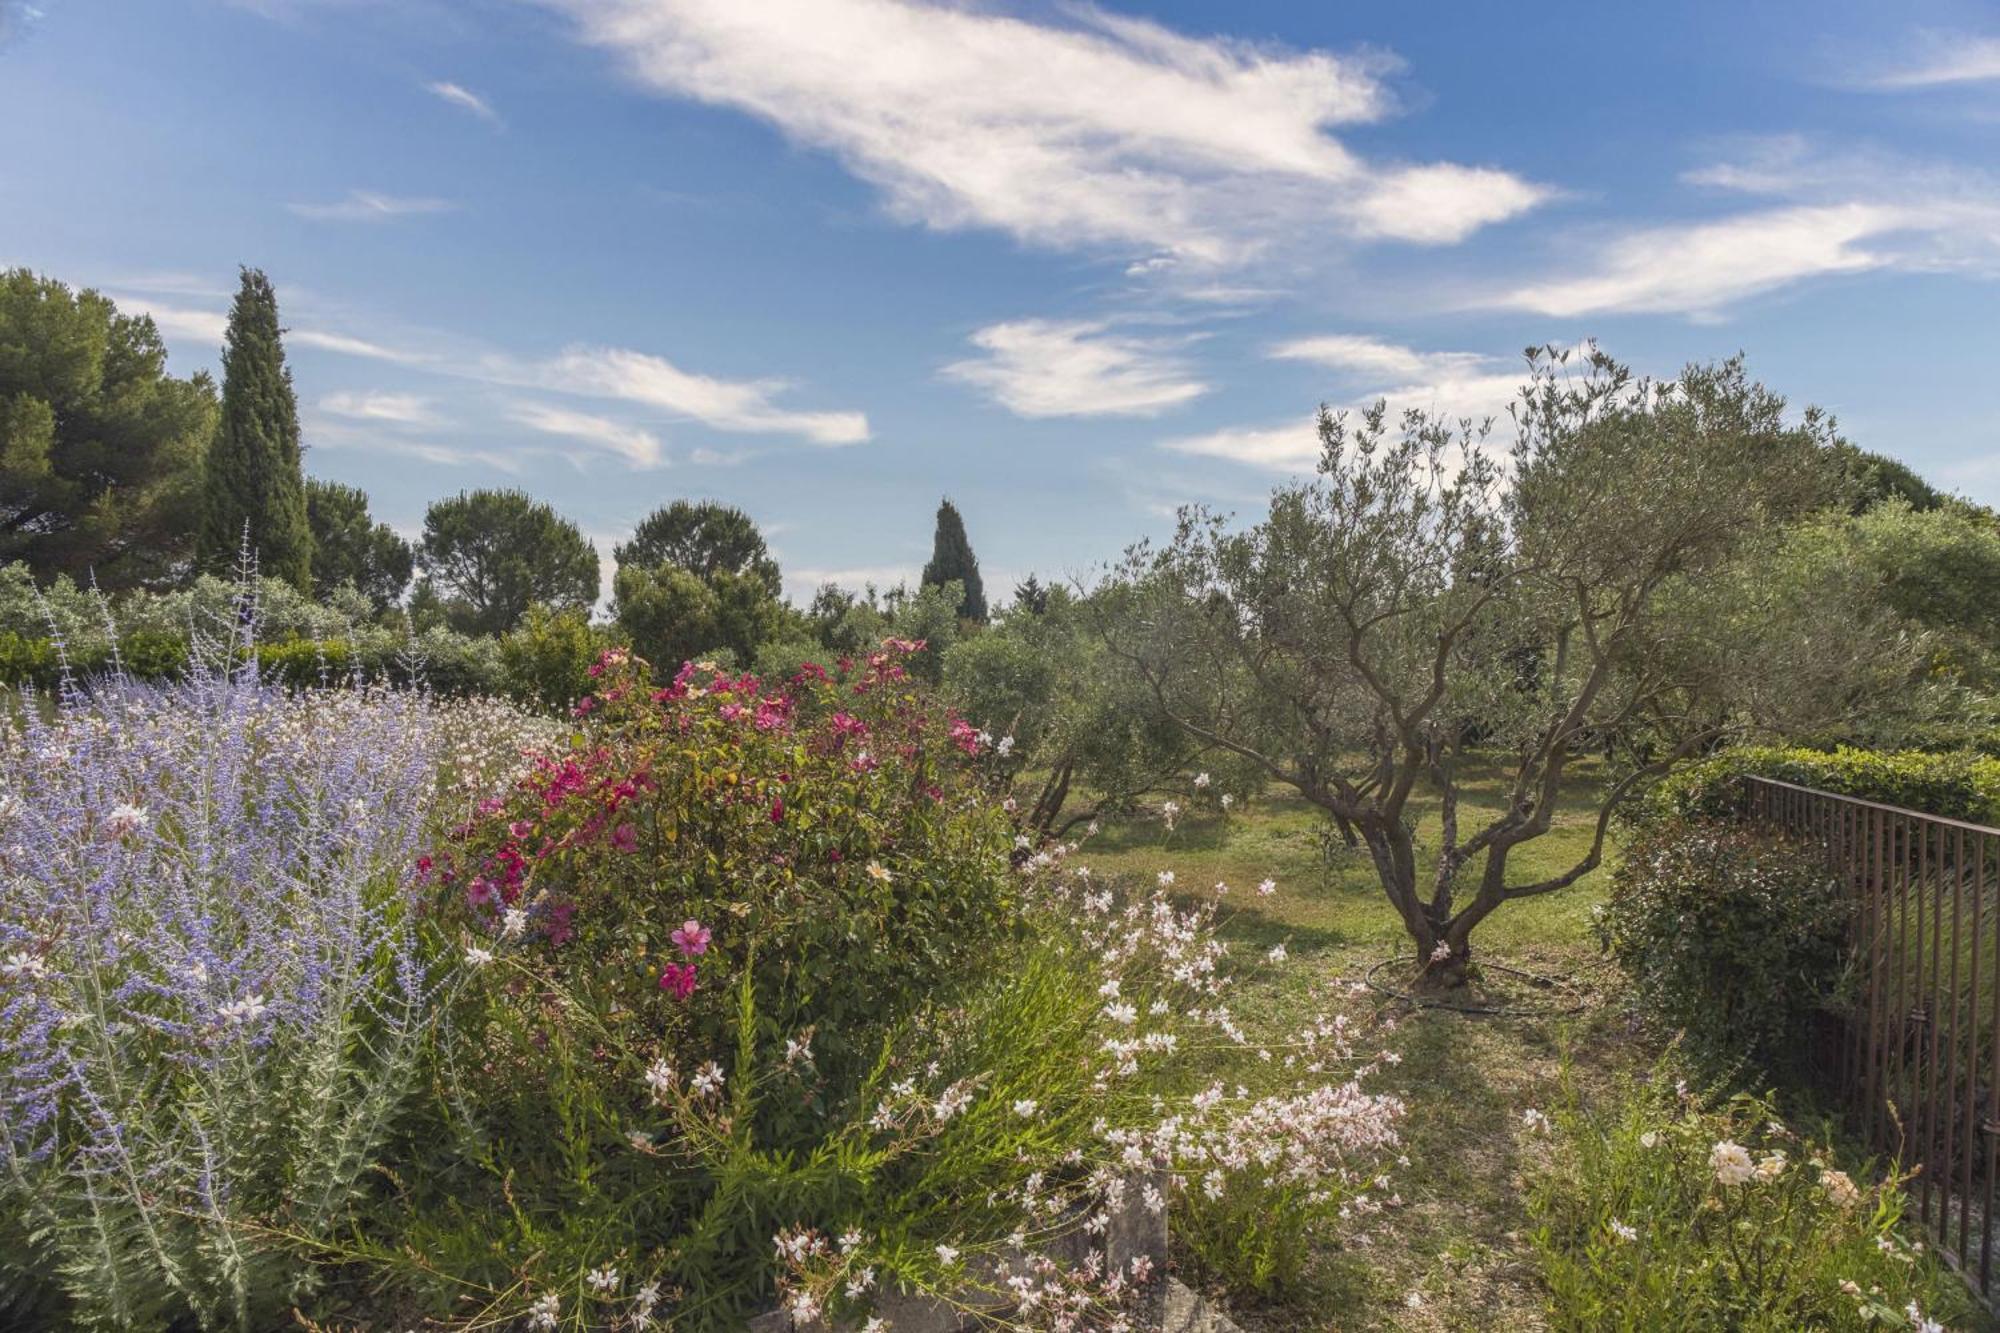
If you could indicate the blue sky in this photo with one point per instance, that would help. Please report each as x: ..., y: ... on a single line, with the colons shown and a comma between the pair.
x: 1072, y: 265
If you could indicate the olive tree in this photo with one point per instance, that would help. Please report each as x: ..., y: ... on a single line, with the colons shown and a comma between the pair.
x: 1079, y: 725
x: 1428, y: 598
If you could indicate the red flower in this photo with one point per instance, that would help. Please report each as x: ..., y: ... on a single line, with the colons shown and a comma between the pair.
x: 777, y: 809
x: 678, y: 980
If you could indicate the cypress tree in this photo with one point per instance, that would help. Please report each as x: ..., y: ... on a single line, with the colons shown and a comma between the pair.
x: 952, y: 558
x: 255, y: 474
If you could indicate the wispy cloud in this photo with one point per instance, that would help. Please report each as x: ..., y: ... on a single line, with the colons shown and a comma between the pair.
x: 325, y: 434
x: 368, y: 206
x: 613, y: 373
x: 1451, y: 385
x: 639, y: 447
x: 1826, y: 214
x: 1097, y: 131
x: 1079, y: 368
x: 464, y: 98
x: 396, y: 409
x: 1943, y: 60
x: 348, y: 345
x: 638, y: 377
x: 176, y: 321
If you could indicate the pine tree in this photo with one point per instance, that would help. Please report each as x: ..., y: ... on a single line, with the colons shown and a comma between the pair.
x: 952, y: 558
x: 254, y: 478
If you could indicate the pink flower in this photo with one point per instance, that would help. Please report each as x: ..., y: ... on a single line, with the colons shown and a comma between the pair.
x: 678, y: 980
x: 625, y: 838
x: 480, y: 892
x: 777, y: 809
x: 692, y: 937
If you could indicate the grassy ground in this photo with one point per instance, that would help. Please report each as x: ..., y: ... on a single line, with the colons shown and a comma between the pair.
x: 1453, y: 1257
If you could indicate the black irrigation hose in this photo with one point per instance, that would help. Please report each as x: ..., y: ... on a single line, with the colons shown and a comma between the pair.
x: 1562, y: 983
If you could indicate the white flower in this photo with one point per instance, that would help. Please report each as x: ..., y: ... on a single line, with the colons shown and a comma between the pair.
x: 1534, y: 1121
x: 1415, y: 1300
x: 1005, y: 747
x: 1166, y: 878
x: 126, y: 818
x: 1919, y: 1323
x: 1771, y: 1166
x: 545, y: 1311
x: 1266, y: 888
x: 947, y: 1254
x: 659, y: 1077
x: 1624, y: 1231
x: 1277, y: 954
x: 1201, y: 782
x: 1227, y: 800
x: 1731, y: 1163
x: 243, y: 1012
x: 513, y: 922
x: 1027, y: 1106
x: 477, y: 957
x: 21, y: 963
x: 879, y: 872
x: 1442, y: 952
x: 603, y: 1280
x: 708, y: 1079
x: 1650, y: 1139
x: 1840, y: 1188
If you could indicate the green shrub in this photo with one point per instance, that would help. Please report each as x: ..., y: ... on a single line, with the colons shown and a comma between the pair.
x: 1734, y: 936
x: 1657, y: 1216
x: 745, y: 964
x: 547, y: 658
x: 1957, y: 785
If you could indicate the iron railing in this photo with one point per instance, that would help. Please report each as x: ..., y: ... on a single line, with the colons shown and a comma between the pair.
x: 1916, y: 1054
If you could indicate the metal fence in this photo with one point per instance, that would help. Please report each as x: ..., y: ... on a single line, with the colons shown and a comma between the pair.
x: 1916, y: 1055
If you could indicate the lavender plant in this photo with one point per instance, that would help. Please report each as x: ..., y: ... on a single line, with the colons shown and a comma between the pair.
x: 213, y: 997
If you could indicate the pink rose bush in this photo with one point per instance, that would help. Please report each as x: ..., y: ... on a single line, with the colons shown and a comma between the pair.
x: 769, y: 1007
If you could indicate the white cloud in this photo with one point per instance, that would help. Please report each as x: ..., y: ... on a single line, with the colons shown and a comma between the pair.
x: 1050, y: 368
x: 1097, y: 131
x: 194, y: 325
x: 323, y: 434
x: 639, y: 447
x: 361, y: 347
x: 1372, y: 358
x: 1946, y: 59
x: 460, y: 96
x: 1454, y: 386
x: 368, y: 206
x: 1702, y: 267
x: 732, y: 405
x: 1284, y: 448
x: 396, y: 409
x: 1824, y: 214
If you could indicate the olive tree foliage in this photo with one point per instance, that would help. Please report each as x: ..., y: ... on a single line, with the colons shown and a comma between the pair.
x: 1085, y: 732
x: 1590, y: 590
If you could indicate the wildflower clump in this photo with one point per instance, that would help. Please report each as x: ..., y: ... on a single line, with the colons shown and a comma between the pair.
x: 778, y: 1014
x: 1661, y: 1213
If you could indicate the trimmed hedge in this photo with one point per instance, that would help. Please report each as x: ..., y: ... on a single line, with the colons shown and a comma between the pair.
x: 451, y: 664
x: 1961, y: 785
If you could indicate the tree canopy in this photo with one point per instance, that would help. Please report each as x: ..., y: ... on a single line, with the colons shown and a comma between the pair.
x: 349, y: 547
x: 100, y: 448
x: 1595, y: 590
x: 952, y: 561
x: 492, y: 554
x: 255, y: 479
x: 703, y: 537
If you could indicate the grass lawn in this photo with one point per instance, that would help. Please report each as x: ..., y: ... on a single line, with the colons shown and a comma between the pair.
x: 1453, y: 1257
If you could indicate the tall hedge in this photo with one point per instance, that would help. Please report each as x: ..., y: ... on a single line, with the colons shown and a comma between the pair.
x: 1956, y: 785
